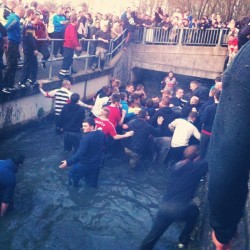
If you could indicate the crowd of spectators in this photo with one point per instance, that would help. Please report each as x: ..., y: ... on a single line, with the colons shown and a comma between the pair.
x: 35, y: 25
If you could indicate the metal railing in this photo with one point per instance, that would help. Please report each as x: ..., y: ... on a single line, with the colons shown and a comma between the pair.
x: 114, y: 46
x: 181, y: 36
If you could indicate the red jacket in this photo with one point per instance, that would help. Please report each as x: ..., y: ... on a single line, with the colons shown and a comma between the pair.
x: 70, y: 37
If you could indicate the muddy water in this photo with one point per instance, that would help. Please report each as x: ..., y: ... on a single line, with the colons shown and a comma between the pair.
x: 48, y: 214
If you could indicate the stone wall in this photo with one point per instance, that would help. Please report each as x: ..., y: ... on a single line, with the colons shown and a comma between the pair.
x: 198, y: 61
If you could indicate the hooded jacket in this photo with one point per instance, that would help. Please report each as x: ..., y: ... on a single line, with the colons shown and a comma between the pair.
x: 13, y: 28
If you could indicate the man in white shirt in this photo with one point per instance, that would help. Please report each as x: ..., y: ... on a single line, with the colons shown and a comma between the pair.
x: 182, y: 131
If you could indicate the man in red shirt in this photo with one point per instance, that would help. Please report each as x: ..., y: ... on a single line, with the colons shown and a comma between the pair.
x: 71, y: 43
x: 103, y: 123
x: 115, y: 116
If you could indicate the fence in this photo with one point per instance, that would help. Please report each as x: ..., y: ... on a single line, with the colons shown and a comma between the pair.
x: 114, y: 46
x: 181, y: 36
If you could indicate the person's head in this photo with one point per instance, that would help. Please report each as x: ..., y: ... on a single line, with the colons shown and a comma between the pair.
x: 34, y: 4
x: 193, y: 116
x: 115, y: 98
x: 191, y: 152
x: 136, y: 97
x: 106, y: 90
x: 73, y: 19
x: 74, y: 98
x: 88, y: 125
x: 166, y: 93
x: 194, y: 85
x: 18, y: 160
x: 171, y: 74
x: 165, y: 102
x: 143, y: 114
x: 115, y: 82
x: 179, y: 93
x: 11, y: 5
x: 149, y: 103
x: 139, y: 87
x: 104, y: 28
x: 130, y: 88
x: 66, y: 84
x: 59, y: 11
x: 97, y: 24
x: 124, y: 96
x: 105, y: 112
x: 30, y: 14
x: 19, y: 10
x: 194, y: 100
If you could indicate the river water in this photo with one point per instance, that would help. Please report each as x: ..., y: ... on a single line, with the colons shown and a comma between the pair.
x: 48, y: 214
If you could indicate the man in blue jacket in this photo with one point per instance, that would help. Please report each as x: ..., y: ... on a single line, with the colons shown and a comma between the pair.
x: 8, y: 169
x: 14, y: 37
x: 87, y: 160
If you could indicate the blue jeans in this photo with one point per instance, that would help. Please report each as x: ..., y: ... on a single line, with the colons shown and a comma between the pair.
x: 90, y: 173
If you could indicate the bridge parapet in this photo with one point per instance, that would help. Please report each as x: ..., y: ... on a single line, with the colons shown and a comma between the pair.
x: 197, y: 61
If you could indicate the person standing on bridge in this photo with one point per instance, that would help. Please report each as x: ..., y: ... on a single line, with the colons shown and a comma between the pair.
x: 14, y: 36
x: 71, y: 43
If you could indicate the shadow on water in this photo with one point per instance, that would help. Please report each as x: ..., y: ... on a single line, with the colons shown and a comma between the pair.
x: 48, y: 214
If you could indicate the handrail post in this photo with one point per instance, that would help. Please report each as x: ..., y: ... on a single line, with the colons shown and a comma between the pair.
x: 220, y: 38
x: 144, y: 35
x: 87, y: 59
x: 180, y: 37
x: 51, y: 53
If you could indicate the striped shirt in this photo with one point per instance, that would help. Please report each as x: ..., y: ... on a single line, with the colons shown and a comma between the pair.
x: 62, y: 97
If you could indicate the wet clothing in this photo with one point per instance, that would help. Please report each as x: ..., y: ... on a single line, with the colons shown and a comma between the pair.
x: 169, y: 115
x: 71, y: 119
x: 87, y: 160
x: 105, y: 126
x: 183, y: 180
x: 142, y: 130
x: 114, y: 115
x: 8, y: 170
x: 228, y: 154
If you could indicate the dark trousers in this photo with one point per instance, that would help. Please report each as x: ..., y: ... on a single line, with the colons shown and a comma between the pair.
x: 176, y: 154
x: 30, y: 67
x: 11, y: 64
x: 90, y: 173
x: 58, y: 45
x: 42, y: 47
x: 204, y: 142
x: 71, y: 141
x: 68, y: 54
x: 167, y: 214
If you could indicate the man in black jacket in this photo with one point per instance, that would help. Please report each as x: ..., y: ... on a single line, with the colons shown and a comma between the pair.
x: 183, y: 180
x: 162, y: 141
x: 135, y: 145
x: 71, y: 119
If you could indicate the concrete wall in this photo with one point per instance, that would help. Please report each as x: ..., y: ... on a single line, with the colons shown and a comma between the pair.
x: 198, y: 61
x: 19, y: 111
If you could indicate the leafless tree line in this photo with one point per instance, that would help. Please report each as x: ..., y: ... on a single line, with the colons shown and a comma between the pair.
x: 228, y: 9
